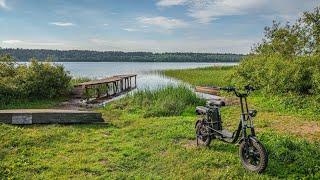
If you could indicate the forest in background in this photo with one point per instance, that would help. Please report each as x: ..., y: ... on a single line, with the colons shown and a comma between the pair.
x: 116, y: 56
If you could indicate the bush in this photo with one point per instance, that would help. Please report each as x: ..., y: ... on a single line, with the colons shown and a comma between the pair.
x: 276, y: 74
x: 34, y: 81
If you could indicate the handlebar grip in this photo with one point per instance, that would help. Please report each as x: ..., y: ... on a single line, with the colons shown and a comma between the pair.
x: 250, y: 88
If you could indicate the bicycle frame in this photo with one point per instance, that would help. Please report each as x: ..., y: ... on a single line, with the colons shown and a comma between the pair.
x: 253, y: 154
x: 245, y: 116
x: 243, y: 124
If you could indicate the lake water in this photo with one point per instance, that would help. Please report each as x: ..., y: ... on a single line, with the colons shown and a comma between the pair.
x: 148, y: 73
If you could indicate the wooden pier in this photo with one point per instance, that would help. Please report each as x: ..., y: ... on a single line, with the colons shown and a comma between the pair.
x: 107, y: 87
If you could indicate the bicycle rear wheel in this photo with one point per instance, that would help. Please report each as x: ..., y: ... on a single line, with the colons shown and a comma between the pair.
x: 202, y: 134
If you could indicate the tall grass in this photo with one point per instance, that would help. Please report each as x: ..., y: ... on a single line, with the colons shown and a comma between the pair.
x: 167, y: 101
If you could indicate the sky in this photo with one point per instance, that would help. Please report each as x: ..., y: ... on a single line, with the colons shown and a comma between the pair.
x: 214, y: 26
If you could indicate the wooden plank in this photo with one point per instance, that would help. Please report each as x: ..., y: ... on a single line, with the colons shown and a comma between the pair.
x: 106, y: 80
x: 100, y: 81
x: 48, y: 116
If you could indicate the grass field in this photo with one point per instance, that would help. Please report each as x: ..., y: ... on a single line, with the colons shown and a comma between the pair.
x: 33, y: 104
x: 137, y: 144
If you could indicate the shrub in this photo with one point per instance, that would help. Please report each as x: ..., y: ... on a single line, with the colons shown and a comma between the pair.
x: 34, y: 81
x: 276, y: 74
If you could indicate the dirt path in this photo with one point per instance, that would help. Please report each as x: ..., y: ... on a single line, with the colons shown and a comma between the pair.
x: 297, y: 126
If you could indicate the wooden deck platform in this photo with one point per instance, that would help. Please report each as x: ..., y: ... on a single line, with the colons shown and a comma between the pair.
x: 106, y: 87
x: 48, y: 116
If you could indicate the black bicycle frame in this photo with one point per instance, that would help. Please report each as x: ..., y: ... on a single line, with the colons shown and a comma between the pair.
x: 245, y: 116
x: 242, y: 127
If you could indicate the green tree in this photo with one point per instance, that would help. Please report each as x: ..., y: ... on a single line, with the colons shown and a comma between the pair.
x: 311, y: 26
x: 300, y: 38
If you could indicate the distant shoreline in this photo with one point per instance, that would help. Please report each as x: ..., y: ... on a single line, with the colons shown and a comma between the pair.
x: 24, y: 55
x: 227, y: 62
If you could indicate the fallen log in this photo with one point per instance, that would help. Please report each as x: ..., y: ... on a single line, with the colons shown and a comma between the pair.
x: 207, y: 90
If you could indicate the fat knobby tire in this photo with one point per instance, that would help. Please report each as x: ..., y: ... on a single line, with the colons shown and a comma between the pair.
x: 263, y: 157
x: 207, y: 139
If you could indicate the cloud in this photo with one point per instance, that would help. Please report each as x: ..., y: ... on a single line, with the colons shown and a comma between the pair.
x: 205, y: 11
x: 31, y: 43
x: 3, y: 4
x: 165, y: 3
x: 211, y: 10
x: 163, y: 22
x: 12, y: 41
x: 62, y: 24
x: 130, y: 29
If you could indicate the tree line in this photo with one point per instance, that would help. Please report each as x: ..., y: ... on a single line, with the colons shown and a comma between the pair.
x: 116, y: 56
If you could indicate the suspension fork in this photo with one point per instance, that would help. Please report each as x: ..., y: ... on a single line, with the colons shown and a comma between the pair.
x: 244, y: 124
x: 243, y: 118
x: 253, y: 133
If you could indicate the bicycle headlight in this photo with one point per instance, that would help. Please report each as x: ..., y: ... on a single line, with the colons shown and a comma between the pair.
x: 253, y: 113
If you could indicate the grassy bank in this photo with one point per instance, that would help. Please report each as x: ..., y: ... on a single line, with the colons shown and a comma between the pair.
x: 161, y: 145
x: 203, y: 76
x: 306, y: 106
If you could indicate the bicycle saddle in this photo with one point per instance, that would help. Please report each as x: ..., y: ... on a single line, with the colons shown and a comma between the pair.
x: 218, y: 103
x: 200, y: 110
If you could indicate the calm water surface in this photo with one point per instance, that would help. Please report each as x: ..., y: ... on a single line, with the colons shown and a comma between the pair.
x: 148, y: 73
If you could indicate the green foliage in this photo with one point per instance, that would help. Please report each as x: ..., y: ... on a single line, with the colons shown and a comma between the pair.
x: 33, y: 81
x: 118, y: 56
x: 284, y: 103
x: 276, y: 74
x: 311, y: 27
x: 301, y: 38
x: 32, y: 104
x: 287, y: 61
x: 78, y: 80
x: 168, y: 101
x: 300, y: 158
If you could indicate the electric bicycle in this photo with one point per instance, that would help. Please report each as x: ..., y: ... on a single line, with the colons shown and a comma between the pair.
x: 252, y: 153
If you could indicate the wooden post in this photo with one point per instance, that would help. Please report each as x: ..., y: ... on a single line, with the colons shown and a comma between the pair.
x: 127, y: 83
x: 117, y: 86
x: 121, y: 85
x: 86, y: 93
x: 107, y: 90
x: 98, y: 91
x: 114, y: 88
x: 135, y: 81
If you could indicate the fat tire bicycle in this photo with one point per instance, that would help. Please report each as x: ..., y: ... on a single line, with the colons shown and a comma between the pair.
x: 253, y: 154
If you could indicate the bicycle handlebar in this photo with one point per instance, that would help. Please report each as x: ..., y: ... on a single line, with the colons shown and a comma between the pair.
x: 229, y: 88
x: 248, y: 88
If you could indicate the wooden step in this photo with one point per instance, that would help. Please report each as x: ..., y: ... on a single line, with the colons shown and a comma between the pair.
x: 48, y: 116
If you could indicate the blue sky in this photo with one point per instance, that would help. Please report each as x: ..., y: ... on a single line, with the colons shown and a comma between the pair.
x: 143, y: 25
